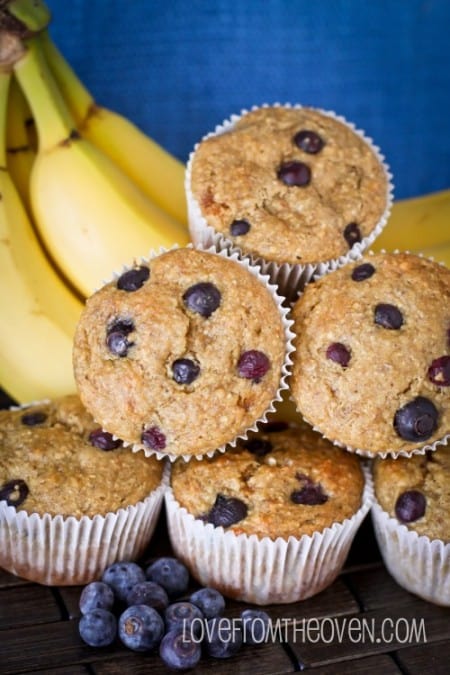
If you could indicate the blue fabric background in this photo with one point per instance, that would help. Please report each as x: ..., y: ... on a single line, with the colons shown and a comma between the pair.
x: 178, y: 68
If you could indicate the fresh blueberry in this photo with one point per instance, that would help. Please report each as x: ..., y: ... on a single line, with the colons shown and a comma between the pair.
x: 169, y: 573
x: 96, y: 595
x: 310, y: 494
x: 140, y: 628
x: 308, y: 141
x: 352, y: 234
x: 183, y: 615
x: 132, y: 280
x: 253, y: 365
x: 210, y: 601
x: 223, y: 637
x: 439, y: 371
x: 179, y: 650
x: 388, y: 316
x: 185, y: 371
x: 258, y: 446
x: 202, y: 298
x: 31, y: 419
x: 154, y: 438
x: 118, y: 343
x: 226, y: 511
x: 410, y: 506
x: 239, y: 227
x: 338, y: 353
x: 294, y: 174
x: 14, y: 492
x: 98, y: 628
x: 363, y: 272
x: 103, y: 440
x: 122, y: 576
x: 417, y: 420
x: 255, y: 626
x: 148, y: 593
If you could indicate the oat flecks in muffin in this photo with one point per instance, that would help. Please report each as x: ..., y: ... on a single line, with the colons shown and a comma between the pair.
x: 290, y: 185
x: 68, y: 465
x: 185, y: 362
x: 426, y: 475
x: 291, y: 482
x: 386, y: 388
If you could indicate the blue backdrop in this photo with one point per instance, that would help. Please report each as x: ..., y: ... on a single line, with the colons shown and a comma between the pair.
x: 178, y: 68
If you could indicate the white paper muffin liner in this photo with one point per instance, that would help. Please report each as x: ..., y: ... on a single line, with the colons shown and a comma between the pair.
x: 418, y: 564
x: 263, y: 571
x: 63, y: 551
x: 290, y: 278
x: 287, y: 323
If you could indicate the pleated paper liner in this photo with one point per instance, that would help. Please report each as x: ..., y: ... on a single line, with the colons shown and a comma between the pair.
x: 262, y: 570
x: 290, y: 278
x: 285, y: 369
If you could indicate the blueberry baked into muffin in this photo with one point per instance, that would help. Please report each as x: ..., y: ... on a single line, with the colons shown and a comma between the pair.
x: 372, y: 362
x: 181, y: 354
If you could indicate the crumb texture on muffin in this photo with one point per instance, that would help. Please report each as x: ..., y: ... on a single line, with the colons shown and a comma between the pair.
x: 291, y: 185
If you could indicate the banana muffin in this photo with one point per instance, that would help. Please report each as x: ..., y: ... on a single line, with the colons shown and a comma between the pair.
x: 55, y: 459
x: 182, y: 354
x: 372, y: 362
x: 271, y: 520
x: 288, y: 184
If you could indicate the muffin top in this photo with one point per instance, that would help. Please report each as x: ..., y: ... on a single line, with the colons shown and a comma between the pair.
x: 282, y: 483
x: 180, y: 355
x: 372, y: 361
x: 54, y: 459
x: 290, y: 185
x: 416, y: 491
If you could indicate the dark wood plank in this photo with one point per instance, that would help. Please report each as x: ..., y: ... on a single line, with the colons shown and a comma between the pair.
x: 7, y: 579
x: 27, y: 605
x: 317, y: 643
x: 70, y: 598
x: 67, y: 670
x: 430, y: 658
x: 371, y: 665
x: 375, y: 588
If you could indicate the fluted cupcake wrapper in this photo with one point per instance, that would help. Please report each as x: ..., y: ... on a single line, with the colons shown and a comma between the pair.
x: 418, y: 564
x: 287, y: 323
x: 63, y: 551
x: 290, y: 278
x: 261, y: 570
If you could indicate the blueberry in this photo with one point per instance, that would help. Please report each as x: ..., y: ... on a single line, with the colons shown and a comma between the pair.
x: 96, y: 595
x: 308, y: 141
x: 125, y: 326
x: 223, y: 637
x: 169, y: 573
x: 388, y: 316
x: 255, y: 626
x: 185, y: 371
x: 258, y: 446
x: 103, y: 440
x: 439, y: 371
x: 417, y: 420
x: 140, y: 628
x: 226, y: 511
x: 98, y: 628
x: 363, y: 272
x: 134, y: 279
x: 183, y: 615
x: 179, y: 650
x: 118, y: 343
x: 310, y: 494
x: 210, y: 601
x: 352, y: 234
x: 239, y: 227
x: 253, y: 365
x: 410, y: 506
x: 153, y: 438
x: 148, y: 593
x: 294, y: 174
x: 31, y: 419
x: 14, y: 492
x: 338, y: 353
x: 202, y: 298
x: 122, y: 576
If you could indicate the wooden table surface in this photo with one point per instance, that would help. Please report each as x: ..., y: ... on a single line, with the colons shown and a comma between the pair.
x: 335, y: 632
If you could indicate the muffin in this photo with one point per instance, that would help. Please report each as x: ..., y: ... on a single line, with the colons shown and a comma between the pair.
x: 411, y: 516
x: 72, y: 499
x: 180, y: 355
x: 288, y: 185
x: 271, y: 520
x: 371, y: 368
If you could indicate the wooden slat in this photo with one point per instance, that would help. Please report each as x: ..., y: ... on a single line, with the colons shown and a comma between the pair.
x: 381, y: 664
x: 7, y: 579
x: 27, y: 605
x: 67, y: 670
x: 431, y: 658
x: 375, y: 588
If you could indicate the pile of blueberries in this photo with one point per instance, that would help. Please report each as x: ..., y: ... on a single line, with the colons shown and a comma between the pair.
x: 149, y: 609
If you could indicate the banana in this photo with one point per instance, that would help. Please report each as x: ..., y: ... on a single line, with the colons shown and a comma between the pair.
x: 38, y: 313
x: 90, y: 215
x: 157, y: 172
x: 20, y: 154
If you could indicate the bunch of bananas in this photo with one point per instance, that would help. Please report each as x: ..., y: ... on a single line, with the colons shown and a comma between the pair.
x: 83, y: 190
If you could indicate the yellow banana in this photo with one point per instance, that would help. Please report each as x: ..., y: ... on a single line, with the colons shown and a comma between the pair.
x: 157, y: 172
x: 38, y: 313
x: 19, y: 153
x: 90, y: 215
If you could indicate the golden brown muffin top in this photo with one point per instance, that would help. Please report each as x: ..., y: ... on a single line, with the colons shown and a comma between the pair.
x: 372, y: 361
x: 416, y: 491
x: 236, y: 177
x: 192, y: 306
x: 54, y: 459
x: 276, y: 484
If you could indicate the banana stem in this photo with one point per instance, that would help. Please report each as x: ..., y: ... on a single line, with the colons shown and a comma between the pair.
x: 75, y: 93
x: 54, y: 122
x: 5, y: 79
x: 34, y: 15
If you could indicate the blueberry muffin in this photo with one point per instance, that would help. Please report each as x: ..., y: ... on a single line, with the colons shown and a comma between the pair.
x: 180, y: 355
x: 372, y: 362
x: 288, y: 185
